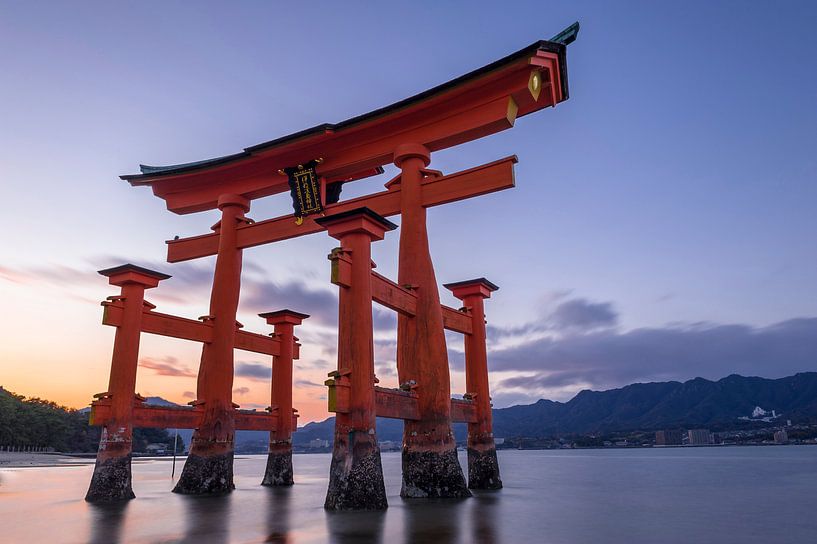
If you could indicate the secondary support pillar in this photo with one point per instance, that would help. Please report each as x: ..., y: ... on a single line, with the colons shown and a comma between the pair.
x: 279, y: 459
x: 111, y: 480
x: 209, y: 466
x: 356, y: 474
x: 430, y: 464
x: 483, y: 468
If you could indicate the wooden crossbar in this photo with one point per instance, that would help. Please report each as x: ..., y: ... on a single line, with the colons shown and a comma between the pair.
x: 395, y: 403
x: 190, y: 329
x: 397, y: 298
x: 180, y: 417
x: 487, y: 178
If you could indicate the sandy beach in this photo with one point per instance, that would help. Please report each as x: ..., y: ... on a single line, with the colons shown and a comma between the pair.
x: 23, y: 459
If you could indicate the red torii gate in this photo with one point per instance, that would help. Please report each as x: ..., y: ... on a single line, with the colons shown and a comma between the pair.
x: 477, y: 104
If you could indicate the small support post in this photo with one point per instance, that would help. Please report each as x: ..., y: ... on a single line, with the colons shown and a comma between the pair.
x: 209, y: 466
x: 111, y: 480
x: 430, y: 464
x: 356, y: 474
x: 483, y: 468
x: 279, y: 459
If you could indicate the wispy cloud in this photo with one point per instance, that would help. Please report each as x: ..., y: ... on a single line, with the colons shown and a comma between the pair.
x: 253, y: 371
x: 306, y: 383
x: 559, y: 365
x: 167, y: 366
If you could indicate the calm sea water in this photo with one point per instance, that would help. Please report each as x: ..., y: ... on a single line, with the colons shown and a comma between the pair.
x: 700, y: 495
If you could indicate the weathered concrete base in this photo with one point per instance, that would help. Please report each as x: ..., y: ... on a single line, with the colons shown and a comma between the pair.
x: 432, y: 474
x: 483, y: 469
x: 279, y: 469
x: 356, y: 475
x: 211, y: 475
x: 111, y: 481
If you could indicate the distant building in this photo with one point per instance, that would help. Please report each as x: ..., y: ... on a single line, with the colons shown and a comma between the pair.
x: 389, y: 445
x: 318, y: 443
x: 499, y: 441
x: 156, y: 449
x: 669, y: 438
x: 699, y: 437
x: 781, y: 437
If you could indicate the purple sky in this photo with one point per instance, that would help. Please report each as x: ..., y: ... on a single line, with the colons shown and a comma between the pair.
x: 663, y: 226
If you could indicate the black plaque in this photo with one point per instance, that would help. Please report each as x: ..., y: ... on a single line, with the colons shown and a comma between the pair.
x: 305, y: 189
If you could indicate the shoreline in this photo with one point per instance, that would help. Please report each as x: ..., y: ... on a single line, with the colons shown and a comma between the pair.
x: 44, y: 459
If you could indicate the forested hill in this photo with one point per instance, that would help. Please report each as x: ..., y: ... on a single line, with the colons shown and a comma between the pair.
x: 728, y: 403
x: 724, y: 404
x: 40, y: 423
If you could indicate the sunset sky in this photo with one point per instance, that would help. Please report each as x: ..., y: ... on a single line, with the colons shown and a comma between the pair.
x: 663, y: 227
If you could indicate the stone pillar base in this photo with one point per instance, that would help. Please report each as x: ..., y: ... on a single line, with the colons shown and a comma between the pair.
x: 210, y: 475
x: 432, y: 474
x: 483, y: 469
x: 111, y: 481
x: 356, y: 475
x: 279, y: 469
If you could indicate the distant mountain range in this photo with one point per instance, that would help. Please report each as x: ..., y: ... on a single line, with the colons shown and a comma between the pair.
x: 729, y: 403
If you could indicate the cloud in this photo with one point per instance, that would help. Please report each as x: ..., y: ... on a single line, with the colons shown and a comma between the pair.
x: 320, y: 303
x: 306, y: 383
x: 384, y: 320
x: 167, y: 366
x: 241, y: 390
x: 265, y: 296
x: 573, y: 316
x: 253, y: 371
x: 582, y: 314
x: 312, y: 364
x: 608, y: 358
x: 14, y: 276
x: 388, y: 370
x: 189, y: 395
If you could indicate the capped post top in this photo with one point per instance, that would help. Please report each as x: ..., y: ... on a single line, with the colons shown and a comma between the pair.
x: 131, y: 273
x: 284, y: 316
x: 356, y: 220
x: 477, y: 286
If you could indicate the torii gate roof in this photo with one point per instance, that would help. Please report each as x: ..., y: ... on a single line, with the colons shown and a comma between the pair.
x: 479, y: 103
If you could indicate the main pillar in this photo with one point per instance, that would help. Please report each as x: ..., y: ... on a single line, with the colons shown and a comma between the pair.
x: 279, y: 459
x: 209, y: 466
x: 430, y: 464
x: 483, y: 468
x: 111, y: 480
x: 356, y: 475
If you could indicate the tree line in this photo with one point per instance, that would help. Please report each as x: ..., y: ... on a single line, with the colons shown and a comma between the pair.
x: 35, y: 422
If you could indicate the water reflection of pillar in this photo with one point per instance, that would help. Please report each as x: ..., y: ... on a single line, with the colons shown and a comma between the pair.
x: 484, y: 519
x: 106, y: 522
x: 278, y: 515
x: 208, y: 519
x: 355, y: 527
x: 435, y: 520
